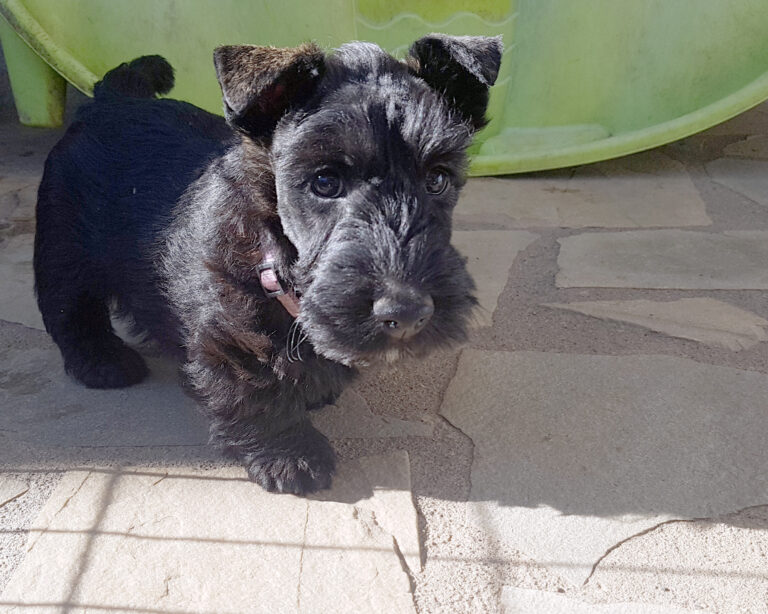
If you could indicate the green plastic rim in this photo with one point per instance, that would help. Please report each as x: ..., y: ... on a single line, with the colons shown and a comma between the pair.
x: 627, y: 143
x: 58, y: 58
x: 581, y: 80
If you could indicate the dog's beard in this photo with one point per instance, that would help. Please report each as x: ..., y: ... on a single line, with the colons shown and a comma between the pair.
x: 345, y: 337
x: 341, y: 282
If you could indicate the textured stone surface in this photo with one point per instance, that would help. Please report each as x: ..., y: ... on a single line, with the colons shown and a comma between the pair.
x: 10, y: 489
x: 755, y: 147
x: 382, y: 485
x: 490, y: 254
x: 665, y: 259
x: 17, y: 299
x: 747, y: 177
x: 18, y: 196
x: 22, y: 496
x: 43, y: 406
x: 718, y: 565
x: 527, y: 601
x: 574, y: 454
x: 210, y: 541
x: 702, y: 319
x: 351, y: 417
x: 645, y: 190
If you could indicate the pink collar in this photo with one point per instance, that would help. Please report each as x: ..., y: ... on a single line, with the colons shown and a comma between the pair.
x: 274, y: 288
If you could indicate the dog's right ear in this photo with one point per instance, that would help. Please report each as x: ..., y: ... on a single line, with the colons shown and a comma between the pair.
x: 259, y: 84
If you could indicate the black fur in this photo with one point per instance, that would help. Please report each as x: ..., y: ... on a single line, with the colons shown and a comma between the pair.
x: 165, y: 211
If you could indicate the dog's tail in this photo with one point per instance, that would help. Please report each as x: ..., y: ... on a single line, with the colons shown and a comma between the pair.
x: 144, y: 77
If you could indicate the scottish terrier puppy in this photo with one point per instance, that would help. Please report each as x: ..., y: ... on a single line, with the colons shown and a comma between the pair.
x: 275, y: 252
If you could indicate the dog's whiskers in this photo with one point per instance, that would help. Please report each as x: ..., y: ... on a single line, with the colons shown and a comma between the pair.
x: 296, y: 336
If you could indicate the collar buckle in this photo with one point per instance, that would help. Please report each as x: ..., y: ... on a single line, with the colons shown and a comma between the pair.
x: 270, y: 282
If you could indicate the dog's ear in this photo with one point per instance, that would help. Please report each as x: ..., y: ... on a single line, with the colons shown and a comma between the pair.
x: 259, y: 84
x: 461, y: 68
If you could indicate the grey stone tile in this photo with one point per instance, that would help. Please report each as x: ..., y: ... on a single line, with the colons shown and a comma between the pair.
x: 747, y: 177
x: 17, y: 299
x: 392, y: 503
x: 527, y: 601
x: 574, y: 453
x: 490, y: 254
x: 677, y: 259
x: 705, y: 320
x: 645, y: 190
x: 351, y: 418
x: 22, y: 496
x: 18, y: 196
x: 43, y: 406
x: 11, y: 488
x: 718, y: 565
x: 755, y: 147
x: 207, y: 540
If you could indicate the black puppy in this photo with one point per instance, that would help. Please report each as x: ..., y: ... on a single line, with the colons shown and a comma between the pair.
x: 272, y: 253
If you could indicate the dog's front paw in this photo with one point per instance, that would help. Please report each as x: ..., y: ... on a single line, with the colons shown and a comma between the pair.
x: 297, y: 461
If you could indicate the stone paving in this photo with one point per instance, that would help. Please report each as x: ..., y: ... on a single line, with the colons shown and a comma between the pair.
x: 598, y: 447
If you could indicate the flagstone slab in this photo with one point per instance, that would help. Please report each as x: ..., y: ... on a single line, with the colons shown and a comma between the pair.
x: 43, y: 406
x: 392, y: 502
x: 755, y: 147
x: 381, y: 486
x: 645, y: 190
x: 720, y: 564
x: 490, y: 254
x: 207, y: 540
x: 747, y: 177
x: 701, y: 319
x: 17, y: 200
x: 574, y: 454
x: 673, y: 259
x: 527, y: 601
x: 17, y: 299
x: 351, y: 418
x: 11, y: 489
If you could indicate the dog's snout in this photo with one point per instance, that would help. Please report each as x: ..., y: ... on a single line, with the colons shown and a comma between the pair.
x: 402, y: 317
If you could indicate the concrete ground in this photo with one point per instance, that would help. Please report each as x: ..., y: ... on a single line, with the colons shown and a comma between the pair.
x: 597, y: 447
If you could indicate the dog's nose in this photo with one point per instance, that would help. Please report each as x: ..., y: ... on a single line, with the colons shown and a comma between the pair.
x: 404, y: 316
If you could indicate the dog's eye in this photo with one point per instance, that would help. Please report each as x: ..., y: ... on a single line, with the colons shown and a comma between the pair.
x: 437, y: 181
x: 327, y: 185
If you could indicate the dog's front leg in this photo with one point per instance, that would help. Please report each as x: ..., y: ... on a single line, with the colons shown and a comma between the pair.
x: 261, y: 419
x: 297, y: 460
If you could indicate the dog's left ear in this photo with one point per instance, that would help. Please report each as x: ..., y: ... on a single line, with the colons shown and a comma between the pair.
x: 462, y: 68
x: 259, y: 84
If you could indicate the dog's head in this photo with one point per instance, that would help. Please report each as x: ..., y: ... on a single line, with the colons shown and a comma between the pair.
x: 369, y: 157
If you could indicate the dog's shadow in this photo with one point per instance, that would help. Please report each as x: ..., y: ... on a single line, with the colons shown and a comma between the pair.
x: 636, y: 462
x: 52, y: 423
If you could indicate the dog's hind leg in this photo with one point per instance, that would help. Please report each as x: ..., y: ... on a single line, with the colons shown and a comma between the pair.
x: 74, y: 301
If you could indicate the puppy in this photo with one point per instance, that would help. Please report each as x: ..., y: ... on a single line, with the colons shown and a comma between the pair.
x: 272, y: 253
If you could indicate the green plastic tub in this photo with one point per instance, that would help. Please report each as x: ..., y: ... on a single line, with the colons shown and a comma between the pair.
x: 581, y: 80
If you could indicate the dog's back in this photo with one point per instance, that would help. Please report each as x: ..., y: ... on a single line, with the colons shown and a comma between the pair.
x: 100, y: 208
